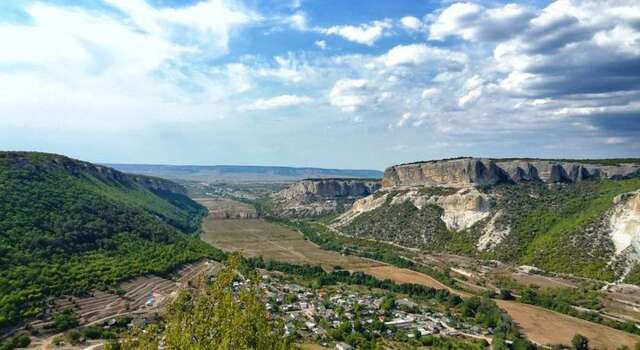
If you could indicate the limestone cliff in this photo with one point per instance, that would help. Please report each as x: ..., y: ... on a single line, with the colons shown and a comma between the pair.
x: 512, y: 210
x: 625, y: 228
x: 312, y: 197
x: 465, y: 172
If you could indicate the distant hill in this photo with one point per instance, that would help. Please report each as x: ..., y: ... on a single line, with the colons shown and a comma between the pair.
x: 68, y: 226
x: 242, y: 173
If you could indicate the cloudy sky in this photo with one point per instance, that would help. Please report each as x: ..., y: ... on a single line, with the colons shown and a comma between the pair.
x: 330, y: 83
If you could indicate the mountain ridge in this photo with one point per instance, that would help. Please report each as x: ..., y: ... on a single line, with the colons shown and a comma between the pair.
x: 462, y: 172
x: 562, y: 217
x: 242, y: 173
x: 68, y: 226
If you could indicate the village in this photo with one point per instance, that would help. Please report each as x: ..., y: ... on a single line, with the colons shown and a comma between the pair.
x: 327, y: 316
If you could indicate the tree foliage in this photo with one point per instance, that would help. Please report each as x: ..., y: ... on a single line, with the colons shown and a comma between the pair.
x: 216, y: 316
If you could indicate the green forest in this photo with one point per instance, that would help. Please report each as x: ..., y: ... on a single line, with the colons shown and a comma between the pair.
x: 68, y: 226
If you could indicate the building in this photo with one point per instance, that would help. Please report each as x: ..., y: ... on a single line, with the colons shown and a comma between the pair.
x: 343, y: 346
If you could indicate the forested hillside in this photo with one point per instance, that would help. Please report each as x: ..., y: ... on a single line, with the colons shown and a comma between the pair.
x: 68, y: 226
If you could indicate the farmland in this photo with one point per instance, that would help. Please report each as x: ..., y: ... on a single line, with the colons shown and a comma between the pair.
x: 548, y: 327
x: 132, y: 296
x: 223, y: 208
x: 256, y: 237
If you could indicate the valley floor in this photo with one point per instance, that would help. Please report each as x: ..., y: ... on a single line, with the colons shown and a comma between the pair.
x: 256, y: 237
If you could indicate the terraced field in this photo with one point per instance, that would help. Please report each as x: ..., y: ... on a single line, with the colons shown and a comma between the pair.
x: 137, y: 292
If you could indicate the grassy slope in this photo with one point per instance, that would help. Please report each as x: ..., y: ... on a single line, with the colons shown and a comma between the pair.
x: 558, y: 229
x: 68, y: 231
x: 563, y: 230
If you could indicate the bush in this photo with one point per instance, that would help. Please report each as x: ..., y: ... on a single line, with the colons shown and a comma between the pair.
x: 580, y: 342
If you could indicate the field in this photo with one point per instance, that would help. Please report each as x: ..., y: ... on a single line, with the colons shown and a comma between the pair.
x: 255, y: 237
x: 223, y: 208
x: 101, y: 305
x: 271, y: 241
x: 548, y: 327
x: 403, y: 276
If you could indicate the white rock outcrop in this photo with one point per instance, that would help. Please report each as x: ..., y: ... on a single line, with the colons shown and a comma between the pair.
x: 491, y: 235
x: 461, y: 210
x: 625, y: 223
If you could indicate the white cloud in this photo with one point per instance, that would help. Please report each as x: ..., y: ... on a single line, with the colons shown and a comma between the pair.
x: 281, y: 101
x: 366, y: 34
x: 350, y: 94
x: 411, y: 23
x: 287, y: 68
x: 298, y: 20
x: 474, y: 22
x: 207, y: 23
x: 430, y: 92
x: 470, y: 97
x: 321, y: 44
x: 416, y: 54
x: 87, y: 69
x: 403, y: 120
x: 615, y: 140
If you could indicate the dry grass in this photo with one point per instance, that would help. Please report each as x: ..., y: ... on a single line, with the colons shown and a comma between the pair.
x: 254, y: 237
x: 548, y: 327
x: 403, y: 276
x: 223, y: 208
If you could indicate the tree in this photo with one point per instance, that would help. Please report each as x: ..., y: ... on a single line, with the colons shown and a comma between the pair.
x: 580, y: 342
x: 215, y: 317
x: 505, y: 294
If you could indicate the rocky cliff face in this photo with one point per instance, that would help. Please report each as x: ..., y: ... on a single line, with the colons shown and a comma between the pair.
x: 481, y: 172
x: 513, y: 210
x: 625, y: 228
x: 314, y: 197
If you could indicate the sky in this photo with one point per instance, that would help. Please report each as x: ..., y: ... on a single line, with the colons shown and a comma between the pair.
x: 325, y: 83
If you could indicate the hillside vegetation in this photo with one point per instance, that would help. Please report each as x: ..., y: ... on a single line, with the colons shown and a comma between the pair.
x: 68, y: 226
x: 563, y: 228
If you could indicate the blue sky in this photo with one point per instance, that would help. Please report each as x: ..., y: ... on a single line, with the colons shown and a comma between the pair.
x: 349, y: 84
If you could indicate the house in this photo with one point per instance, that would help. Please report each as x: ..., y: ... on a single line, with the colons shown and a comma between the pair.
x: 400, y: 322
x: 289, y: 329
x: 406, y: 302
x: 343, y: 346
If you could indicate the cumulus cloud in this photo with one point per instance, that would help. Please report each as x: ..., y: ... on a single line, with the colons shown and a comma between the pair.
x: 321, y: 44
x: 366, y: 34
x: 474, y: 22
x: 350, y: 94
x: 276, y: 102
x: 570, y: 59
x: 572, y: 49
x: 411, y: 23
x: 136, y: 59
x: 416, y: 54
